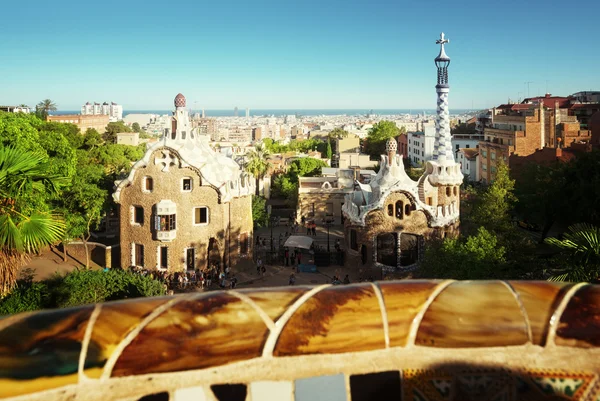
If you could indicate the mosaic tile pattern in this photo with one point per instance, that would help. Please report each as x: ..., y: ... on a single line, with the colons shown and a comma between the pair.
x: 53, y: 349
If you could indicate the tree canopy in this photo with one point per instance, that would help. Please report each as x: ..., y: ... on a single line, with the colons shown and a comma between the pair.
x: 378, y: 136
x: 43, y: 108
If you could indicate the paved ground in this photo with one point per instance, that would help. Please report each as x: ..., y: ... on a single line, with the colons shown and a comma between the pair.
x: 51, y: 262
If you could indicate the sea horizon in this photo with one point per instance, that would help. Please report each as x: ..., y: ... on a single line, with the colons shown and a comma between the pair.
x: 289, y: 112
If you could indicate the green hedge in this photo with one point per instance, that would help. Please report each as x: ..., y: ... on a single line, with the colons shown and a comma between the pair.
x: 79, y: 288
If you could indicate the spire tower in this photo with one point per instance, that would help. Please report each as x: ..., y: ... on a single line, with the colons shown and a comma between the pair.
x: 442, y: 151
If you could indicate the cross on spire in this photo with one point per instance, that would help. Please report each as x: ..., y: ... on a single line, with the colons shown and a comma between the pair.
x: 442, y: 40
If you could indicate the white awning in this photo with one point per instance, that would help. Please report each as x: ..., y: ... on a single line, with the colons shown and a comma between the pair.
x: 299, y: 241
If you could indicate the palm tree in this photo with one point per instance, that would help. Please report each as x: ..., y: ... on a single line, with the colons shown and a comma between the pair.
x: 44, y: 107
x: 582, y: 246
x: 23, y: 232
x: 258, y: 165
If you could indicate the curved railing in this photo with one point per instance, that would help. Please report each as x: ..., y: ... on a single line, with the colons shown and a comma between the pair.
x: 438, y: 338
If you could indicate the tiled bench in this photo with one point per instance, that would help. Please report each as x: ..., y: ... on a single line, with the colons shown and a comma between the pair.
x: 409, y: 340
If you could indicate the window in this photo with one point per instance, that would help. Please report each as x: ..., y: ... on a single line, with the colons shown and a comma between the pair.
x: 457, y: 147
x: 510, y: 142
x: 386, y: 249
x: 409, y: 249
x: 138, y: 215
x: 391, y: 210
x: 353, y: 240
x: 138, y: 255
x: 399, y: 210
x: 407, y: 209
x: 148, y: 184
x: 493, y: 169
x: 484, y: 167
x: 455, y: 190
x: 468, y: 146
x: 493, y: 155
x: 164, y: 257
x: 200, y: 215
x: 244, y: 244
x: 484, y: 153
x: 448, y: 193
x: 190, y: 259
x: 165, y: 223
x: 429, y: 201
x: 186, y: 184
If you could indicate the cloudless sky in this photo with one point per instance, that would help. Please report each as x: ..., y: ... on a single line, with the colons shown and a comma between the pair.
x: 281, y: 54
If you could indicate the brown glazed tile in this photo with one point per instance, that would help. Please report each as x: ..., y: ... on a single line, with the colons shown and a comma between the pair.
x: 403, y: 301
x: 579, y: 325
x: 42, y: 351
x: 115, y: 321
x: 473, y: 314
x: 335, y: 320
x: 275, y: 301
x: 540, y: 299
x: 214, y: 329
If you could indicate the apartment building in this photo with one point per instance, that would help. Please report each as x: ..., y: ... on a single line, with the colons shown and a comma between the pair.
x: 97, y: 122
x: 113, y: 110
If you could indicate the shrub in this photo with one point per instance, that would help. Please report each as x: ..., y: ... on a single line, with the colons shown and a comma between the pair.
x: 79, y: 288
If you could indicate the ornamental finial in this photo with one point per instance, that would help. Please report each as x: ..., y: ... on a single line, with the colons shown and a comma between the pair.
x: 442, y: 40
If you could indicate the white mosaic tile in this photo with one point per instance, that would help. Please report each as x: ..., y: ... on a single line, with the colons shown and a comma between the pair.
x: 190, y: 394
x: 321, y: 388
x: 272, y: 391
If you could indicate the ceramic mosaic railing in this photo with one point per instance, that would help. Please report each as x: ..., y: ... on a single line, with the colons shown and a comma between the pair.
x: 403, y: 340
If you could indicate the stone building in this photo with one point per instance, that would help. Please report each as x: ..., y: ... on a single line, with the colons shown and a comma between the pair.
x: 83, y: 122
x: 387, y: 221
x: 183, y: 205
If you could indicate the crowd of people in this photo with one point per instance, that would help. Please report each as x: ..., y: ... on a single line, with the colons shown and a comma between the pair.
x: 191, y: 280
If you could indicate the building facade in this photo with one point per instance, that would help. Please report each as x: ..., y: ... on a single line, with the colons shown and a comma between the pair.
x: 97, y: 122
x: 467, y: 158
x: 387, y: 221
x: 16, y: 109
x: 184, y: 206
x: 112, y: 110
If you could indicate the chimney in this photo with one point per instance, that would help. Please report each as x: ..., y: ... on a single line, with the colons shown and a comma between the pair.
x: 391, y: 146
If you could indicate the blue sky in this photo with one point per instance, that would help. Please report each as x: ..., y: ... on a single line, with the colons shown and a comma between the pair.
x: 293, y: 54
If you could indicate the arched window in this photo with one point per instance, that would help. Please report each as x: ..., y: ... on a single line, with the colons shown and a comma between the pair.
x: 455, y: 191
x: 407, y: 209
x: 391, y: 210
x: 448, y: 193
x: 399, y: 210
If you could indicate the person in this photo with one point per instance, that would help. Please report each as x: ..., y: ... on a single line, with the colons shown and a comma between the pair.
x: 227, y: 271
x: 286, y: 256
x: 292, y: 280
x: 347, y: 279
x: 303, y: 219
x: 314, y: 229
x: 308, y: 231
x: 258, y: 240
x: 299, y: 256
x: 259, y: 264
x: 337, y: 244
x: 233, y: 282
x: 293, y: 258
x: 263, y: 270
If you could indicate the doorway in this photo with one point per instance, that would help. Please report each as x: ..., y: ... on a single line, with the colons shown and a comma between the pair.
x: 190, y: 258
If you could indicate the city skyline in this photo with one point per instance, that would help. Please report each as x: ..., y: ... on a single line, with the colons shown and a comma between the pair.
x: 267, y: 55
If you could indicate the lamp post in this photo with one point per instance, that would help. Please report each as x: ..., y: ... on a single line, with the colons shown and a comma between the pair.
x: 328, y: 224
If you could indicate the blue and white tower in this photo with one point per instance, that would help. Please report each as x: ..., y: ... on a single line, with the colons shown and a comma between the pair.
x: 442, y: 171
x: 443, y: 142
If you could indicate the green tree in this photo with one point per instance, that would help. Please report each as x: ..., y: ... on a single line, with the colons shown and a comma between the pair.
x: 473, y: 258
x: 92, y: 139
x: 494, y: 206
x: 378, y: 136
x: 581, y: 249
x: 338, y: 133
x: 43, y: 108
x: 304, y: 167
x: 136, y: 127
x: 23, y: 231
x: 112, y: 129
x: 258, y: 164
x: 329, y: 151
x: 259, y: 211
